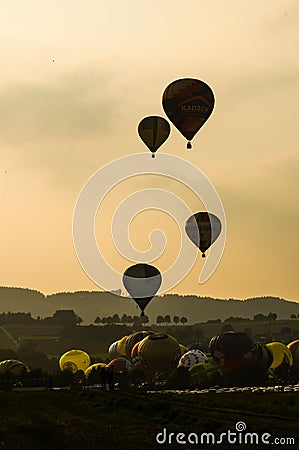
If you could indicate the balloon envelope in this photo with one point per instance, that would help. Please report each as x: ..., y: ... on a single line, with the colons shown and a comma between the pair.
x: 188, y: 103
x: 232, y: 350
x: 142, y: 282
x: 153, y: 130
x: 120, y: 364
x: 193, y: 357
x: 113, y: 350
x: 159, y: 353
x: 13, y: 367
x: 203, y: 229
x: 74, y: 360
x: 96, y: 366
x: 282, y: 359
x: 134, y: 338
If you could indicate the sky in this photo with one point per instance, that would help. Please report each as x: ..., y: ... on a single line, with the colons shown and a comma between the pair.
x: 76, y: 79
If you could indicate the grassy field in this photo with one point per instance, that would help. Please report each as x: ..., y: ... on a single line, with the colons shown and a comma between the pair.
x: 131, y: 420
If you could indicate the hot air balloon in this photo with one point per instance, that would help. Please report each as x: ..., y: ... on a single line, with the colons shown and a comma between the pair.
x: 74, y: 360
x: 153, y: 131
x: 159, y: 353
x: 264, y: 355
x: 192, y: 357
x: 282, y: 360
x: 13, y: 367
x: 232, y: 350
x: 203, y: 229
x: 113, y: 350
x: 188, y: 103
x: 142, y: 282
x: 133, y: 338
x: 95, y: 367
x: 121, y: 347
x: 294, y: 347
x: 120, y: 364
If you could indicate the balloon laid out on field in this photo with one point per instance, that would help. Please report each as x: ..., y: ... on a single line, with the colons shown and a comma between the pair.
x: 203, y: 229
x: 94, y: 367
x: 188, y: 103
x: 159, y: 353
x: 232, y: 350
x: 113, y: 350
x: 13, y: 367
x: 192, y: 357
x: 74, y: 360
x: 134, y: 338
x: 142, y: 281
x: 120, y: 364
x: 153, y: 130
x: 282, y: 360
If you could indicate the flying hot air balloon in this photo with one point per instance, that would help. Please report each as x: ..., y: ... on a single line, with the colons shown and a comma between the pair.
x: 188, y: 103
x: 153, y: 130
x: 142, y: 282
x: 203, y: 229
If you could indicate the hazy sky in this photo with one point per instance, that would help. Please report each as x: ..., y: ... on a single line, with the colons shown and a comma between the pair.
x: 76, y: 79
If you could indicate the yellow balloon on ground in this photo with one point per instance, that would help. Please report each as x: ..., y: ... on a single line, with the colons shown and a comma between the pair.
x: 74, y: 360
x: 121, y: 347
x: 282, y: 359
x: 294, y: 347
x: 159, y: 353
x: 96, y: 366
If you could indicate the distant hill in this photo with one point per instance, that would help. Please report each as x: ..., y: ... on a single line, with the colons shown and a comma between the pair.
x: 89, y: 305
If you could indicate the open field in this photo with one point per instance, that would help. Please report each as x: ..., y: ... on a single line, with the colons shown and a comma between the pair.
x: 131, y: 420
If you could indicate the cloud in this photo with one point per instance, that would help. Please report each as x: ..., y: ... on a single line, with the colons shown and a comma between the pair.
x: 73, y: 106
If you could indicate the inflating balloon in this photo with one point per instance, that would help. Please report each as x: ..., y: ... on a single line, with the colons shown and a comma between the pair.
x: 203, y: 229
x: 192, y: 357
x: 294, y: 347
x: 121, y: 346
x: 282, y: 360
x: 188, y: 103
x: 232, y: 350
x: 133, y: 338
x: 264, y: 356
x: 153, y: 131
x: 159, y: 353
x: 95, y: 367
x: 13, y: 367
x: 142, y: 282
x: 120, y: 365
x: 113, y: 350
x: 74, y: 360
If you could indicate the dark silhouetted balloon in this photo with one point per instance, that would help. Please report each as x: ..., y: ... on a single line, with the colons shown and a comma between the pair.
x: 203, y: 229
x: 232, y: 350
x: 142, y: 282
x: 153, y: 131
x: 188, y: 103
